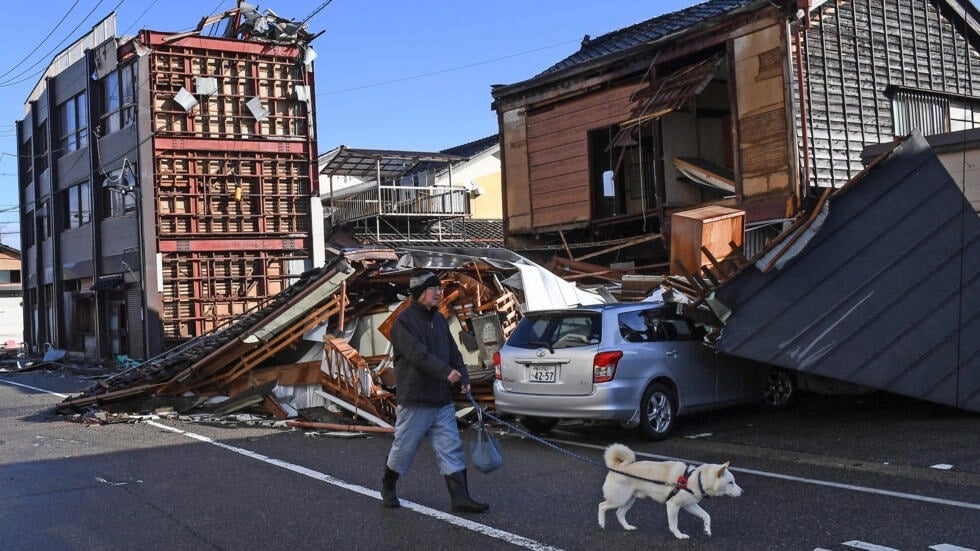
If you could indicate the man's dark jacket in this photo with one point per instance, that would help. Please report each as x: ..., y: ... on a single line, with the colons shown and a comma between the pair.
x: 425, y: 354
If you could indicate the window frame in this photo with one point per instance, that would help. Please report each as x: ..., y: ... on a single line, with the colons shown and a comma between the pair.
x: 116, y: 201
x: 73, y: 123
x: 932, y: 113
x: 119, y: 89
x: 78, y: 205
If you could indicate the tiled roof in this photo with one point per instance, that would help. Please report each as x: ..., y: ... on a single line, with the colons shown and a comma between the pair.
x: 647, y: 31
x: 472, y: 148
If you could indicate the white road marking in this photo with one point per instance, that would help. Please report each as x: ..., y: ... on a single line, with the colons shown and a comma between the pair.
x: 503, y: 535
x: 867, y: 546
x: 528, y: 543
x: 941, y: 466
x: 852, y: 487
x: 6, y: 382
x: 508, y: 537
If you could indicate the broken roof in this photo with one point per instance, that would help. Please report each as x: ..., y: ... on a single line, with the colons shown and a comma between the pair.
x: 623, y: 42
x: 880, y: 288
x: 369, y: 163
x: 648, y: 31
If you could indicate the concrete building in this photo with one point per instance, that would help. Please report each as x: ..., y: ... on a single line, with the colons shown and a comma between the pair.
x: 167, y: 183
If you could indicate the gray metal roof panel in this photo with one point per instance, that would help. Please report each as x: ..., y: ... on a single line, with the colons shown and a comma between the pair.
x: 884, y: 294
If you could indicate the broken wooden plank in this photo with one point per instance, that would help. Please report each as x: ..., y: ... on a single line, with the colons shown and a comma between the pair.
x: 340, y: 426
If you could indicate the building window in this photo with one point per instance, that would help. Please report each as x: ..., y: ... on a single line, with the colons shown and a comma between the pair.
x: 41, y: 147
x: 621, y: 172
x: 117, y: 201
x: 42, y: 217
x: 27, y: 232
x: 932, y: 113
x: 79, y: 211
x: 119, y: 98
x: 27, y: 161
x: 963, y: 115
x: 73, y: 121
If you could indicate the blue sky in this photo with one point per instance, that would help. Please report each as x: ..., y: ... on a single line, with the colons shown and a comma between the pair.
x: 391, y: 74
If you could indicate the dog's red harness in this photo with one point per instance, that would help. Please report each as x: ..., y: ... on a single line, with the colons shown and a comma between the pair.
x: 681, y: 483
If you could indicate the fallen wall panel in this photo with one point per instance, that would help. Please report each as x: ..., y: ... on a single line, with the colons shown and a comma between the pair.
x: 881, y: 289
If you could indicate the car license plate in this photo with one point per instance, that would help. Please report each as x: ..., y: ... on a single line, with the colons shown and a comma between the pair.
x: 543, y: 373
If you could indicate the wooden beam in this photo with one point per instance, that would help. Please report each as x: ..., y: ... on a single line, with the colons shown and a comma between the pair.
x: 340, y: 426
x: 627, y: 243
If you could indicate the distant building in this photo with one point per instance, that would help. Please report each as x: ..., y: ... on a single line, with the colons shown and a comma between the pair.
x: 11, y: 298
x: 167, y: 182
x: 450, y: 197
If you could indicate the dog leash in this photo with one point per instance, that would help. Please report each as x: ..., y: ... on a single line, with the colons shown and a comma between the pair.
x: 681, y: 483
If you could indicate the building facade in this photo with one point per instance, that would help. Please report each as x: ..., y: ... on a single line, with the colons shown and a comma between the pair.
x: 167, y: 183
x: 749, y: 104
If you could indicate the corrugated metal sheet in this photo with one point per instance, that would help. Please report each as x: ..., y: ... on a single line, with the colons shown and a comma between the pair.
x: 882, y: 289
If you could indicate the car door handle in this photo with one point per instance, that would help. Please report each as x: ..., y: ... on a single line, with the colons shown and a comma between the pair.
x: 671, y: 353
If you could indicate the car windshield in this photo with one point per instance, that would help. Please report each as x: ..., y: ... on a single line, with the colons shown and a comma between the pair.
x: 557, y: 330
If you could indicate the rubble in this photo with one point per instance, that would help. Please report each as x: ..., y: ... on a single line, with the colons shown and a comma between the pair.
x: 324, y: 341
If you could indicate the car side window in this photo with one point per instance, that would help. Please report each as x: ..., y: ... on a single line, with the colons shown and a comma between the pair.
x: 655, y: 324
x: 632, y: 327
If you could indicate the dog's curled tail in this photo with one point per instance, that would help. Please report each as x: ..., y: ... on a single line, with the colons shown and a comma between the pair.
x: 617, y: 455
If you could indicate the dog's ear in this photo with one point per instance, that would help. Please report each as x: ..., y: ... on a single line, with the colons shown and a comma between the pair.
x: 722, y: 467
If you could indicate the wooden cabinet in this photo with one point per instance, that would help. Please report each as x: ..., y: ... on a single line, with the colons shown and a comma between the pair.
x: 713, y: 227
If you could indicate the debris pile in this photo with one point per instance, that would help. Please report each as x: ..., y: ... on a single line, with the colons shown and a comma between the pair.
x: 324, y: 339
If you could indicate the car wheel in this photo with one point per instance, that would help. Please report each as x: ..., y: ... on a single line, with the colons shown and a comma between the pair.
x: 657, y: 411
x: 780, y: 389
x: 539, y: 425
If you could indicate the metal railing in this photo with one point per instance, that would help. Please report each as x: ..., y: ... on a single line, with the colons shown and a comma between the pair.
x: 404, y: 201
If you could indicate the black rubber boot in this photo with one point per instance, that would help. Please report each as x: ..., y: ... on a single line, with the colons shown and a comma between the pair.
x: 459, y: 494
x: 388, y: 496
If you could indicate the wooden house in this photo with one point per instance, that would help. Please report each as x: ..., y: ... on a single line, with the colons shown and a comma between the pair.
x: 746, y: 104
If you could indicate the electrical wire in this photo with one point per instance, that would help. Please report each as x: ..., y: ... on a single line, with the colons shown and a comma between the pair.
x: 449, y: 70
x: 51, y: 32
x: 48, y: 54
x: 316, y: 11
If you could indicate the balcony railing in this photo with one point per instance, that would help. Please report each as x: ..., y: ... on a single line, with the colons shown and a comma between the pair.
x: 403, y: 201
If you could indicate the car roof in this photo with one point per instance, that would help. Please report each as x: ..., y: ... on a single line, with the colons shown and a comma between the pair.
x: 612, y: 306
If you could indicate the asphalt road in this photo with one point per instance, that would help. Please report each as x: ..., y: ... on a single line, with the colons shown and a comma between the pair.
x: 873, y: 472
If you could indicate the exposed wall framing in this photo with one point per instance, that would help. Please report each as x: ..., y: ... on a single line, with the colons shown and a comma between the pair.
x: 233, y: 176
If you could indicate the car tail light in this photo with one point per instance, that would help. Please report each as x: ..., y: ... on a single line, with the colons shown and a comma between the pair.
x: 604, y: 366
x: 496, y: 366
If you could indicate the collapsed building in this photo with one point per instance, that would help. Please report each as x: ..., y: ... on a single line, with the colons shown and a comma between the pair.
x: 167, y: 183
x: 325, y: 337
x: 890, y: 315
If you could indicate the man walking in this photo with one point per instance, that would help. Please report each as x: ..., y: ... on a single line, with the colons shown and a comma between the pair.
x: 428, y: 365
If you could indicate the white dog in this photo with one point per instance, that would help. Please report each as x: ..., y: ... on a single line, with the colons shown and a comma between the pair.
x: 678, y: 485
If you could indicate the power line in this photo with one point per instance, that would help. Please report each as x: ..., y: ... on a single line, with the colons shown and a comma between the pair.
x: 316, y: 11
x: 51, y: 32
x: 139, y: 17
x: 53, y: 50
x: 449, y: 70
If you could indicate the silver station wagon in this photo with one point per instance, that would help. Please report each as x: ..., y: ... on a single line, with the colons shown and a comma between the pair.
x: 641, y: 364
